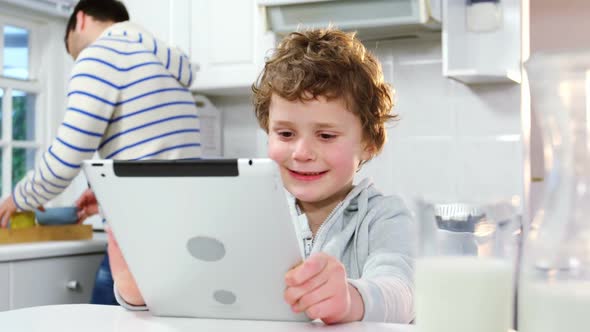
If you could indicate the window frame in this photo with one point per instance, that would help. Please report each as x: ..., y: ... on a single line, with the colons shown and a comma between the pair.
x: 31, y: 85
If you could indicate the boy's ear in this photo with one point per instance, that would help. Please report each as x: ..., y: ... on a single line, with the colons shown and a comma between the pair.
x: 368, y: 153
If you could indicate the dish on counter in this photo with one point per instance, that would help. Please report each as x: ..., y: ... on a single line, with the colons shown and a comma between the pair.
x: 66, y: 215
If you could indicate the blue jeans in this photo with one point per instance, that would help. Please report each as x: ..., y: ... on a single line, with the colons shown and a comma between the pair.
x: 103, y: 292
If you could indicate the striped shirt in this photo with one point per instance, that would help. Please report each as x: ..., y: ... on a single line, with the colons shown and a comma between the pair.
x: 127, y: 99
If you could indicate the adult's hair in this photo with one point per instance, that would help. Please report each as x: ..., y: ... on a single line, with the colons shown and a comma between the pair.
x: 100, y: 10
x: 333, y: 64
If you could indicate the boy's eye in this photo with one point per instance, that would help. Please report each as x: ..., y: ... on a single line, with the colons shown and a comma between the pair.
x: 327, y: 136
x: 285, y: 134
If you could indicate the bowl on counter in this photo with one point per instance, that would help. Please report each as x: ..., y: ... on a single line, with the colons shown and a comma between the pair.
x: 66, y: 215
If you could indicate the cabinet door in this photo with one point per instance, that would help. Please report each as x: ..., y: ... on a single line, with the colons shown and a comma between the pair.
x: 167, y: 20
x: 228, y: 43
x: 57, y: 280
x: 4, y: 287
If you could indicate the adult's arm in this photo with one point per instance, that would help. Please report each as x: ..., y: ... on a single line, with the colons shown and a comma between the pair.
x: 90, y: 104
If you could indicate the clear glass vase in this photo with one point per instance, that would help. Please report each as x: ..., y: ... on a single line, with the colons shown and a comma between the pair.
x: 554, y: 290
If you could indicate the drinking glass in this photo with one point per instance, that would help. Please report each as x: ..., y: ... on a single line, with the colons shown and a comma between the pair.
x: 465, y: 269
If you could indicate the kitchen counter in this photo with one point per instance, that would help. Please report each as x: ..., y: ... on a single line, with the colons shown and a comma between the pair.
x: 35, y: 250
x: 100, y: 318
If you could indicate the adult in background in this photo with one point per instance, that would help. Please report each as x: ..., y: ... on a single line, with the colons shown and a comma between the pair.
x: 127, y: 99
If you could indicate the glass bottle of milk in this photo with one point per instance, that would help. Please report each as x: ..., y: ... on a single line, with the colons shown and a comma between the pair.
x: 465, y: 269
x: 554, y: 290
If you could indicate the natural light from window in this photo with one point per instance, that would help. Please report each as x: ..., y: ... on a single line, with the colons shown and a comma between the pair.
x: 16, y: 52
x: 18, y: 97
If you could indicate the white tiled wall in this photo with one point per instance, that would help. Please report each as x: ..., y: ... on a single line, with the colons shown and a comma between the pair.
x: 453, y: 142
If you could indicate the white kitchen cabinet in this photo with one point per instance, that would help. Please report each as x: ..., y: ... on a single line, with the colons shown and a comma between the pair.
x: 475, y: 57
x: 229, y: 44
x: 51, y: 272
x: 226, y: 39
x: 4, y: 287
x: 168, y: 20
x: 58, y: 280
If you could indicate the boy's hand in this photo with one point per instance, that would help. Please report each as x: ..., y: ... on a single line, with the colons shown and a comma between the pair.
x: 87, y: 205
x: 124, y: 281
x: 319, y: 288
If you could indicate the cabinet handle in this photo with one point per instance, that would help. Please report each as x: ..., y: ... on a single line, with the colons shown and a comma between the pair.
x: 73, y: 285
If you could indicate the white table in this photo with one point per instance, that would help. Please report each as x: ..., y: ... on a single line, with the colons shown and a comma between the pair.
x: 97, y: 318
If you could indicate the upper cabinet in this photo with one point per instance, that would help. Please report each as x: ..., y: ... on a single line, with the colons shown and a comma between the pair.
x: 482, y: 41
x: 228, y: 44
x: 168, y: 20
x: 225, y: 39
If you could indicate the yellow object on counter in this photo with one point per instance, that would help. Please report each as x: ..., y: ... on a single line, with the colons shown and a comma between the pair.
x: 22, y: 220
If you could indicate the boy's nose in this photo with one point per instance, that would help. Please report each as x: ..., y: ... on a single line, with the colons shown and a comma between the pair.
x: 303, y: 150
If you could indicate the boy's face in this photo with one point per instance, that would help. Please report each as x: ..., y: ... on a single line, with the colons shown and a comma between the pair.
x: 317, y: 145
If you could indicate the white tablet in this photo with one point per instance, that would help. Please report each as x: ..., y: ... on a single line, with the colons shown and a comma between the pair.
x: 208, y: 238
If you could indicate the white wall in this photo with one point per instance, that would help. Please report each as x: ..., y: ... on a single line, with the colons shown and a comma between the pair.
x: 453, y: 142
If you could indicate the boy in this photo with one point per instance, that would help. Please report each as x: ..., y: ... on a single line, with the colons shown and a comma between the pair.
x: 322, y: 100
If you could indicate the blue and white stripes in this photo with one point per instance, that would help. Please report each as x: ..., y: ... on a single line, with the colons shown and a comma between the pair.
x: 128, y: 99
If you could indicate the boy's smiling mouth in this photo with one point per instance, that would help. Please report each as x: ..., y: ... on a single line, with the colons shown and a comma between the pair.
x: 306, y: 176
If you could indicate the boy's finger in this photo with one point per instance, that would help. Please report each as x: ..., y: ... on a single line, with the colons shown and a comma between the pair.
x: 310, y: 299
x: 311, y: 267
x: 293, y: 294
x: 296, y: 265
x: 327, y: 310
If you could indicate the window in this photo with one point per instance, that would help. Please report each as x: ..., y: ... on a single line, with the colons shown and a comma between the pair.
x: 19, y: 91
x: 16, y: 52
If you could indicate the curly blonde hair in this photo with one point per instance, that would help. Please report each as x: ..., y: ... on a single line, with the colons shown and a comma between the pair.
x: 333, y: 64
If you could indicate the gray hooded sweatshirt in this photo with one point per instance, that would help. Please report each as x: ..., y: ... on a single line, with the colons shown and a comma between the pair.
x: 374, y: 238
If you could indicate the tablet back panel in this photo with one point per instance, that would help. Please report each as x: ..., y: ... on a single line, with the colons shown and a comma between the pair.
x: 211, y: 238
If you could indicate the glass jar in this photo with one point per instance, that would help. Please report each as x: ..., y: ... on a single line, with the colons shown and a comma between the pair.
x: 465, y: 267
x: 554, y: 290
